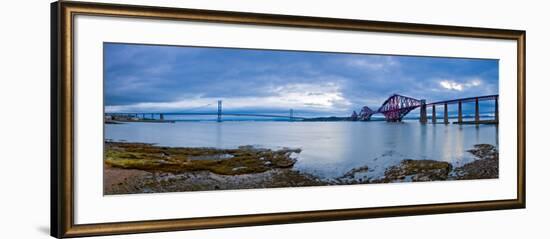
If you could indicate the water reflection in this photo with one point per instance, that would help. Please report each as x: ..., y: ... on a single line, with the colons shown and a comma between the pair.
x: 219, y: 136
x: 329, y: 149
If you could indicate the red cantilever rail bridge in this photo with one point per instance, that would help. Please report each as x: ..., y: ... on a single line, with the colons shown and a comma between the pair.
x: 397, y: 106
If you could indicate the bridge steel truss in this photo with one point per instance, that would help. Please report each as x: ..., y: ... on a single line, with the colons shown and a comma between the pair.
x: 397, y: 106
x: 365, y: 114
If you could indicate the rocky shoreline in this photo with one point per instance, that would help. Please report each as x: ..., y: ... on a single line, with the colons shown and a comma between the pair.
x: 146, y: 168
x: 485, y: 167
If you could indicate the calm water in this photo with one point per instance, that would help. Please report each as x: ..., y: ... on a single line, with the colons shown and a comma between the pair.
x: 329, y: 149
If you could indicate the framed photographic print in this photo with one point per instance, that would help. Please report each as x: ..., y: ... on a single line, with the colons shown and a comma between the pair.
x: 172, y: 119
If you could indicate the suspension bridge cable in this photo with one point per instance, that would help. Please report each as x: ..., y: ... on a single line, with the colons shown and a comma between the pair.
x: 199, y: 107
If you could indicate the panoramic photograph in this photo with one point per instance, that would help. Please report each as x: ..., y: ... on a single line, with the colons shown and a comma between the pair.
x: 189, y: 118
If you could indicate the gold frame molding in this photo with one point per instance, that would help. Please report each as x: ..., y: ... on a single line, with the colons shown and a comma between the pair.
x: 62, y: 118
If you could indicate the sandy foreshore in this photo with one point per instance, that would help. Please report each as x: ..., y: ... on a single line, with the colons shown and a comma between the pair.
x: 145, y: 168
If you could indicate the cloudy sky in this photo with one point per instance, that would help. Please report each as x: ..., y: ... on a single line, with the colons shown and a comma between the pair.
x: 144, y: 78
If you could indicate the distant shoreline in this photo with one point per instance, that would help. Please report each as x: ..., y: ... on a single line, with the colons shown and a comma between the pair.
x: 138, y: 121
x: 335, y: 118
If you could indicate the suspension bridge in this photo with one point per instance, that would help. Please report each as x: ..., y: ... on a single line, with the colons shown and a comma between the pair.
x: 159, y: 117
x: 394, y: 109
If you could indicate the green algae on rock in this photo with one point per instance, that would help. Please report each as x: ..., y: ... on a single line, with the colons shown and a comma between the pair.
x: 177, y: 169
x: 242, y: 160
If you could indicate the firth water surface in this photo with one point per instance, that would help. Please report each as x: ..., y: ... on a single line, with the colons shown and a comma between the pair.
x: 329, y: 149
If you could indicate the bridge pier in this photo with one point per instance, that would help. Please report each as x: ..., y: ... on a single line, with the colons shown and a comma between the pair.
x: 446, y: 114
x: 460, y: 112
x: 161, y: 116
x: 291, y: 115
x: 434, y: 119
x: 423, y: 113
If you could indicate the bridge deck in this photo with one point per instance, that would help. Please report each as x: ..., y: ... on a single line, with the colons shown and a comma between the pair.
x: 210, y: 113
x: 469, y: 99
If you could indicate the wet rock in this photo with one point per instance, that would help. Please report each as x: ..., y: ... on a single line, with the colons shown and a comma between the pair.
x: 357, y: 175
x: 479, y: 169
x: 243, y: 160
x: 205, y: 180
x: 484, y: 151
x: 283, y: 161
x: 417, y: 171
x: 484, y: 167
x: 352, y: 173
